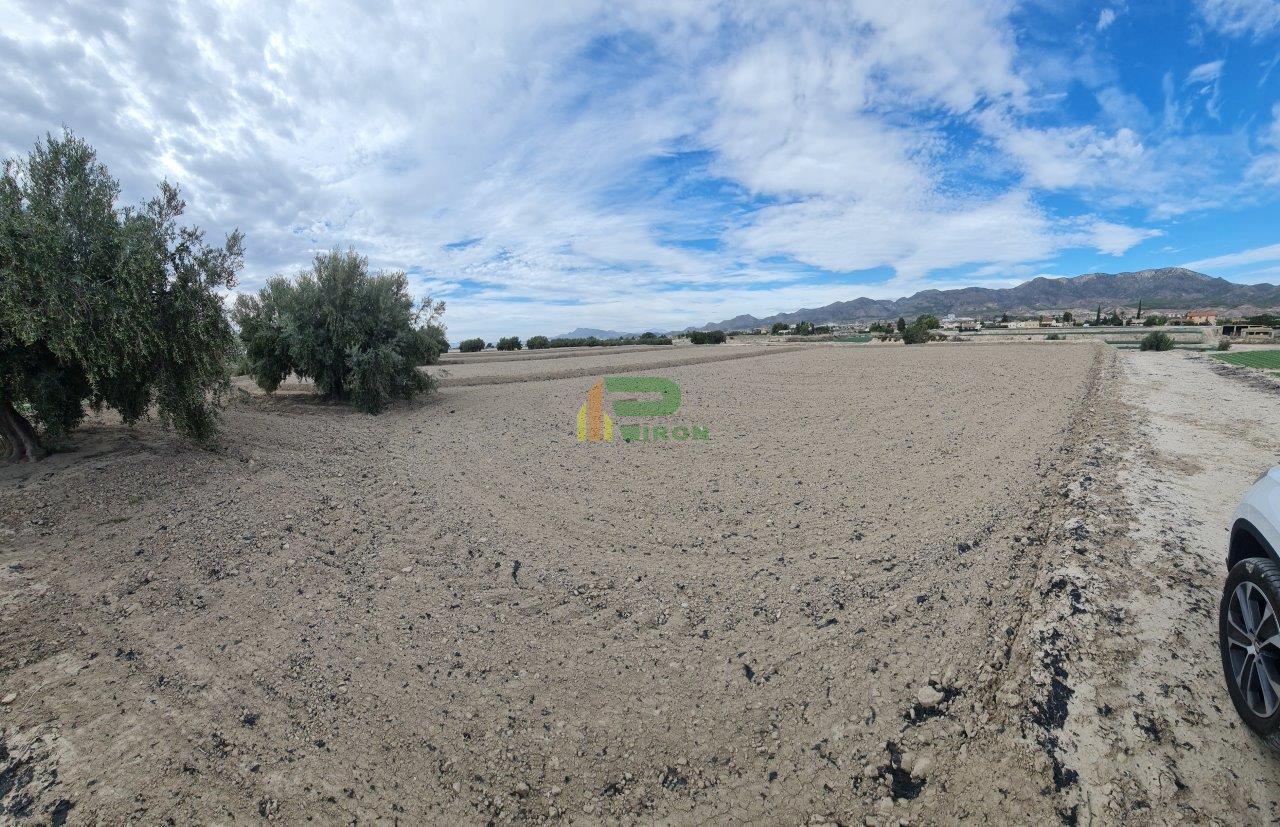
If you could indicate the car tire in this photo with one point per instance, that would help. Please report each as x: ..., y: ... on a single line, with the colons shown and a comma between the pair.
x: 1249, y: 641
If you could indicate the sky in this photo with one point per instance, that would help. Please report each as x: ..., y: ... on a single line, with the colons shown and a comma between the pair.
x: 653, y: 165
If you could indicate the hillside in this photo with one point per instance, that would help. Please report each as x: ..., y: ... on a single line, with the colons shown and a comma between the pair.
x: 1167, y: 288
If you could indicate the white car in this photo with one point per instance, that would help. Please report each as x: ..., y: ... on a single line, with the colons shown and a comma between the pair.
x: 1248, y: 624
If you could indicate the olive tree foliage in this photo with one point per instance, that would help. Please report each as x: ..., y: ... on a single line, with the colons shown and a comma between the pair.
x: 104, y: 306
x: 358, y: 336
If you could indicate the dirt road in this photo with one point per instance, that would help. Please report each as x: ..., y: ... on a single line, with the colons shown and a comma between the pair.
x: 1169, y: 745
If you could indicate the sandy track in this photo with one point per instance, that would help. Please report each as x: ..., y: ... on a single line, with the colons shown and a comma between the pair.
x: 1170, y: 746
x: 456, y: 612
x: 1112, y: 685
x: 597, y: 364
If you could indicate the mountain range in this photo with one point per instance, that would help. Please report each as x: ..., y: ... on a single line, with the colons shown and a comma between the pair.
x: 1166, y: 288
x: 588, y: 332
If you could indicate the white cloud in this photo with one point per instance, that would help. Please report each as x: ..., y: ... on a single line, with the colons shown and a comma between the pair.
x: 1068, y: 157
x: 1116, y: 239
x: 550, y: 136
x: 914, y: 240
x: 1264, y: 169
x: 1206, y: 72
x: 1255, y: 18
x: 1243, y: 258
x: 1105, y: 18
x: 1207, y: 76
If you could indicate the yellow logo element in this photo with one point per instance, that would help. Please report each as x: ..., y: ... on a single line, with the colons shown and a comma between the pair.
x: 594, y: 424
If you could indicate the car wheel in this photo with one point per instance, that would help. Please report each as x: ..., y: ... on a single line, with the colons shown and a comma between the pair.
x: 1249, y: 638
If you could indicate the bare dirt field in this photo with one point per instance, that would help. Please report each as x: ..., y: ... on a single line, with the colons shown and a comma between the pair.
x: 895, y: 584
x: 596, y: 362
x: 484, y: 356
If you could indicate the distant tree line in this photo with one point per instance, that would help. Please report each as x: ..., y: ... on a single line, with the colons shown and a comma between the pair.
x: 508, y: 343
x: 646, y: 338
x: 800, y: 329
x: 912, y: 333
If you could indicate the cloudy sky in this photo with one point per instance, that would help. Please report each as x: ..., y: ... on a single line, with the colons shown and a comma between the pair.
x: 547, y: 165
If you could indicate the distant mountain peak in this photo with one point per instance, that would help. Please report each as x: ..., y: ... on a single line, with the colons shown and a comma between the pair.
x: 589, y: 332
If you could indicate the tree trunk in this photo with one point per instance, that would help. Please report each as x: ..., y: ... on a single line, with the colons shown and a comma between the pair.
x: 21, y: 437
x: 9, y: 446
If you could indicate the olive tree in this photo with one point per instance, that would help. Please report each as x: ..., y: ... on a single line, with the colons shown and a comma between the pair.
x: 104, y: 306
x: 357, y: 335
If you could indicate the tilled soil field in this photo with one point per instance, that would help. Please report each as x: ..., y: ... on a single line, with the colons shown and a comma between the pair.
x: 838, y: 607
x: 485, y: 356
x: 597, y: 362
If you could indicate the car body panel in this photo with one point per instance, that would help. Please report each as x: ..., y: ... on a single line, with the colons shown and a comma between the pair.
x: 1259, y: 513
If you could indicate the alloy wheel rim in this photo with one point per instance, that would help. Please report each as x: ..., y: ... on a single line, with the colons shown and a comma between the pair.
x: 1253, y: 649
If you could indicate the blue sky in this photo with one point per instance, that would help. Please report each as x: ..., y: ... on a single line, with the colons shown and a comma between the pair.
x: 543, y: 166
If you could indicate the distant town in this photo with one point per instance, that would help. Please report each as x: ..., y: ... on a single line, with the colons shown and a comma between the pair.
x: 1256, y: 328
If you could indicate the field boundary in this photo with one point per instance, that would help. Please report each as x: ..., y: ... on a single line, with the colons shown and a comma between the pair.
x: 1258, y: 359
x: 1260, y: 378
x: 573, y: 373
x: 539, y: 355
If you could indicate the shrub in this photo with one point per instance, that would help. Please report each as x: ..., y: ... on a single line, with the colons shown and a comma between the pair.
x: 707, y: 337
x: 1156, y: 340
x: 928, y: 321
x: 471, y: 345
x: 804, y: 329
x: 510, y: 343
x: 1155, y: 321
x: 916, y: 334
x: 355, y: 334
x: 104, y: 306
x: 1224, y: 344
x: 1052, y: 337
x: 538, y: 343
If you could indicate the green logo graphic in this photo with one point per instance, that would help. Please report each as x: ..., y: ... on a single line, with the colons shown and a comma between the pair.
x: 594, y: 425
x: 665, y: 406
